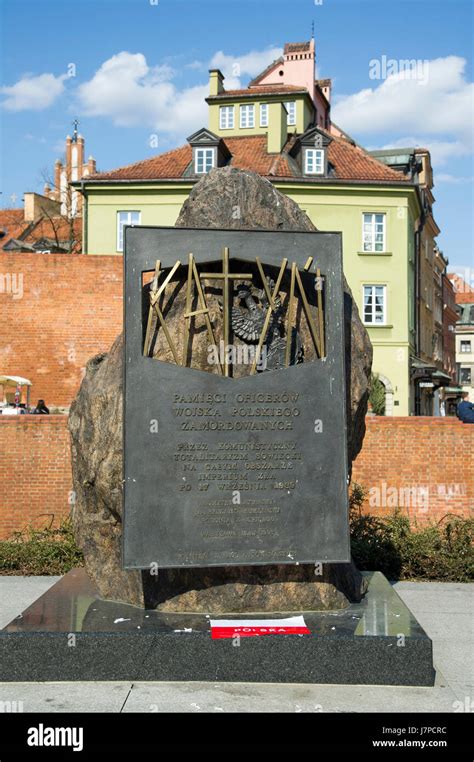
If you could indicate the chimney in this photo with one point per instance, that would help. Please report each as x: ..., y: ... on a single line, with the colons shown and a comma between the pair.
x: 80, y: 155
x: 91, y: 166
x: 68, y: 154
x: 277, y: 127
x: 216, y: 82
x: 36, y: 206
x: 57, y: 178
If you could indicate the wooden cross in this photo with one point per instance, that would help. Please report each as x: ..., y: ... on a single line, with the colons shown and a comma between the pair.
x: 317, y: 340
x: 155, y: 293
x: 226, y: 277
x: 193, y: 277
x: 271, y: 307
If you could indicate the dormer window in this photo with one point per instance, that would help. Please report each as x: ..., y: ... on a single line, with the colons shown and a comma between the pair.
x: 226, y: 118
x: 204, y: 159
x: 314, y: 161
x: 311, y: 152
x: 247, y: 116
x: 291, y: 109
x: 209, y: 151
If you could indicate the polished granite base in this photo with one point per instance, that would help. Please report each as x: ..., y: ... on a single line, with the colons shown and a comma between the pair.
x: 71, y: 634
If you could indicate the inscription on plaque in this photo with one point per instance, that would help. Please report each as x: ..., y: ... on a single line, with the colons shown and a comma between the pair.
x: 234, y: 403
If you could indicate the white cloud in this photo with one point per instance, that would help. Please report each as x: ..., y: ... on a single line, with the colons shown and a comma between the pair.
x: 33, y: 93
x: 134, y: 94
x: 452, y: 179
x: 35, y: 138
x: 441, y: 150
x: 131, y: 93
x: 197, y: 65
x: 250, y: 63
x: 438, y: 104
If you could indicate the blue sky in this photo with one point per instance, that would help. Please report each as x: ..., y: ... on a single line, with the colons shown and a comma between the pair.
x: 140, y: 70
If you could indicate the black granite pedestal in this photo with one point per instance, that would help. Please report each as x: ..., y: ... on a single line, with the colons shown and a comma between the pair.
x: 71, y: 634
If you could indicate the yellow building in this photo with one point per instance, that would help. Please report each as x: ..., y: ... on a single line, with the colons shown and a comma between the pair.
x: 280, y: 127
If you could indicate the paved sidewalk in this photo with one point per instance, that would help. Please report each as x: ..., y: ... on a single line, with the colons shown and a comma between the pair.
x: 445, y: 610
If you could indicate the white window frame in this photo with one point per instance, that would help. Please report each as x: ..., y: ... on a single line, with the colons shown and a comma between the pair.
x: 205, y: 153
x: 291, y: 109
x: 317, y: 166
x: 264, y: 115
x: 122, y: 223
x: 467, y: 381
x: 370, y: 246
x: 467, y: 348
x: 247, y: 116
x: 375, y: 286
x: 226, y: 117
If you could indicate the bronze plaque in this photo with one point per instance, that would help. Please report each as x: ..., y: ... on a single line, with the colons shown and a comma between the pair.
x: 235, y: 446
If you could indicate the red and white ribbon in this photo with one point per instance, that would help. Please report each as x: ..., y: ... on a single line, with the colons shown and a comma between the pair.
x: 247, y: 628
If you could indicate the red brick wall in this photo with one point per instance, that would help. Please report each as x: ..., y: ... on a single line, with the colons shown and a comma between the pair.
x: 35, y: 471
x: 425, y: 466
x: 431, y: 458
x: 70, y: 310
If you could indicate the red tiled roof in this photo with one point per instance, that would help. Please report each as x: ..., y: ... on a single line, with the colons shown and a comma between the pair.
x: 464, y: 293
x: 170, y: 165
x: 250, y: 92
x: 464, y: 298
x: 350, y: 162
x: 14, y: 223
x: 251, y: 154
x: 7, y: 215
x: 57, y: 227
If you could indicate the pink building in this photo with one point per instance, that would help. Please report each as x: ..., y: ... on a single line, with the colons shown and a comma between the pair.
x: 297, y: 67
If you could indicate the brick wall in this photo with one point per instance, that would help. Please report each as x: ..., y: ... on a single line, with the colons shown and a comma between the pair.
x: 35, y: 471
x: 426, y: 463
x: 425, y: 466
x: 57, y: 311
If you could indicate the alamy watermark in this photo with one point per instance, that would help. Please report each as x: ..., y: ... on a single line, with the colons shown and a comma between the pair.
x: 237, y: 354
x: 385, y: 496
x: 12, y: 283
x: 416, y: 69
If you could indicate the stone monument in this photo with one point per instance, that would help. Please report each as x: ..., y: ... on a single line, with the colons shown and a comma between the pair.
x: 227, y: 198
x: 211, y: 452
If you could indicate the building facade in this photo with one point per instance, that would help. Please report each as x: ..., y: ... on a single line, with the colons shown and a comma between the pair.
x: 465, y: 348
x: 450, y: 317
x: 280, y: 127
x: 464, y: 332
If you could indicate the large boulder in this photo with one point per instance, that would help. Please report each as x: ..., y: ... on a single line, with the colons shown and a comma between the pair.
x: 95, y: 424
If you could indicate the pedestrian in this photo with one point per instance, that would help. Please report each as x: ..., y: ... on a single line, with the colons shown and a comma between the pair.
x: 465, y: 409
x: 41, y: 408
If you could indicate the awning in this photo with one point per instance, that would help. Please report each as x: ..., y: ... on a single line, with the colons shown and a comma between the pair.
x: 15, y: 380
x: 453, y: 389
x: 442, y: 377
x: 424, y: 367
x: 425, y: 371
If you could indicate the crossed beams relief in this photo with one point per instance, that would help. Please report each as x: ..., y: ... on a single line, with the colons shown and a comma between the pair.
x: 232, y: 321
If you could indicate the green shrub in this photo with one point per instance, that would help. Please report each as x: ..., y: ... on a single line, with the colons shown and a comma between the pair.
x: 401, y: 549
x: 377, y: 395
x: 45, y: 551
x: 393, y: 545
